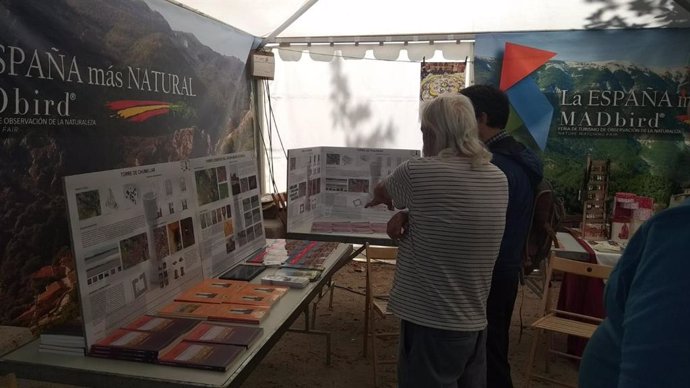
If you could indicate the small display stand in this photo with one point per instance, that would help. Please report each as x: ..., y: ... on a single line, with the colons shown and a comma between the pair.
x: 595, y: 214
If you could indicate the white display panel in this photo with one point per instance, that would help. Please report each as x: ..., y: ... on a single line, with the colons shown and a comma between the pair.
x: 328, y: 188
x: 229, y: 210
x: 304, y: 186
x: 141, y: 235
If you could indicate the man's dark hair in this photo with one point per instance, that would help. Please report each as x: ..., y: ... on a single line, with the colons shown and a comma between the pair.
x: 490, y: 100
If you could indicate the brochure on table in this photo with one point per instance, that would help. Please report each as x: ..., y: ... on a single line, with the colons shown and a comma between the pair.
x: 328, y: 188
x: 141, y: 235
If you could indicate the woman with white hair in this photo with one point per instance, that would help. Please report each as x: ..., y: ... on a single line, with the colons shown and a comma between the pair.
x: 457, y: 202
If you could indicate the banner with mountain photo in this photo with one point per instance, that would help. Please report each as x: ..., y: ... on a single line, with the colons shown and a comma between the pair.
x: 91, y: 86
x: 620, y: 95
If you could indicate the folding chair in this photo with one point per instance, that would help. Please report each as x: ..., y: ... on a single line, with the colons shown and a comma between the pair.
x: 559, y: 321
x: 547, y: 213
x: 280, y: 201
x: 377, y: 305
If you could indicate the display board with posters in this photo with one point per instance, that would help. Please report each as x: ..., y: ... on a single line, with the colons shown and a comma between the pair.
x: 328, y: 188
x: 144, y: 234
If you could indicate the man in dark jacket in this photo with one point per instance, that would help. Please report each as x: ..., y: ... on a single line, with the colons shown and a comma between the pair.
x: 524, y: 171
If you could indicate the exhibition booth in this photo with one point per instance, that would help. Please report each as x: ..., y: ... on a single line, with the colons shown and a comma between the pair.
x: 139, y: 140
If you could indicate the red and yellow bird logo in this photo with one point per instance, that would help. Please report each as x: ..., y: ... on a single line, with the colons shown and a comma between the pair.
x: 141, y: 110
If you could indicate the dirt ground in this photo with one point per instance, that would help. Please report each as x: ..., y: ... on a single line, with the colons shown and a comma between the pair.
x: 299, y: 360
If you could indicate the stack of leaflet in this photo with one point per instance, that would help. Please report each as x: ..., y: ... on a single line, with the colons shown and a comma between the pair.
x: 133, y: 345
x: 296, y: 253
x: 303, y: 261
x: 213, y: 291
x: 285, y: 281
x: 211, y: 346
x: 178, y: 342
x: 210, y: 356
x: 257, y: 295
x: 274, y: 254
x: 65, y: 339
x: 239, y: 302
x: 308, y: 255
x: 144, y: 339
x: 289, y: 277
x: 221, y: 333
x: 216, y: 312
x: 310, y: 274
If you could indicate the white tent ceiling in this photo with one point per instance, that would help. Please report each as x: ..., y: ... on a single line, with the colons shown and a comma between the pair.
x: 394, y: 17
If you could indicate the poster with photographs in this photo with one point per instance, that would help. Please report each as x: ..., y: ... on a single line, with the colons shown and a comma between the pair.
x: 441, y: 77
x: 328, y: 188
x: 143, y: 234
x: 134, y: 239
x: 228, y: 210
x: 304, y: 185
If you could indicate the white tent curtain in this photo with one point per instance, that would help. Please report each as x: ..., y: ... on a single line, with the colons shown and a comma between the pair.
x: 415, y: 51
x: 323, y: 53
x: 354, y: 51
x: 354, y: 103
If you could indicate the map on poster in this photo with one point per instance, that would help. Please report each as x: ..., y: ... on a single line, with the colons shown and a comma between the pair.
x: 143, y: 234
x: 328, y: 188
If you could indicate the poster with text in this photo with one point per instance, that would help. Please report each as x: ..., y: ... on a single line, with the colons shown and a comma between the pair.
x: 229, y: 210
x: 142, y: 235
x: 97, y: 85
x: 620, y: 95
x: 329, y: 187
x: 135, y: 241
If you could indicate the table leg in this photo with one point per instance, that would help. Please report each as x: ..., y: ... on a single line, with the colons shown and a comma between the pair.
x: 309, y: 331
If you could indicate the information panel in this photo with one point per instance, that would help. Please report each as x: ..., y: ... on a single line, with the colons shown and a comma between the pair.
x: 328, y: 188
x: 144, y: 234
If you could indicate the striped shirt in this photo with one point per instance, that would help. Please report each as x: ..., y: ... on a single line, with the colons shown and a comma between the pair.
x: 457, y: 217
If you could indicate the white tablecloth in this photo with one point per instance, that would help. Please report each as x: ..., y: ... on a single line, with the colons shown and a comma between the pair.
x: 605, y: 257
x: 570, y: 248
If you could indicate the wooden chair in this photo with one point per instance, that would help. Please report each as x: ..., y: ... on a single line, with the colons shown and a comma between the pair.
x: 376, y: 305
x: 558, y: 321
x: 280, y: 201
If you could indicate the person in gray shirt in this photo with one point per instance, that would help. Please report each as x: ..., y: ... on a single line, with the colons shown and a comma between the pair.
x: 456, y: 200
